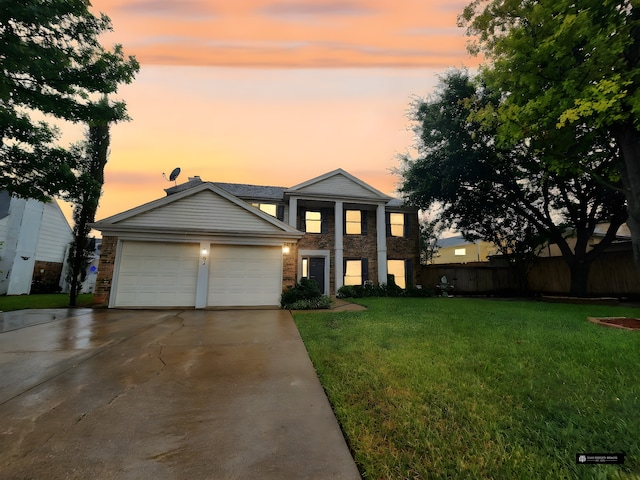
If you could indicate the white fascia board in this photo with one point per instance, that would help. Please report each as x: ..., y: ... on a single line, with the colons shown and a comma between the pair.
x: 191, y: 234
x: 340, y: 198
x: 212, y: 239
x: 377, y: 194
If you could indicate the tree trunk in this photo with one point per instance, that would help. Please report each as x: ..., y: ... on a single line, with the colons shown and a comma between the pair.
x: 92, y: 178
x: 628, y: 140
x: 579, y: 277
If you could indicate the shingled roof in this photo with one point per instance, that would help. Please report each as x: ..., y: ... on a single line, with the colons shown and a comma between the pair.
x: 253, y: 192
x: 242, y: 190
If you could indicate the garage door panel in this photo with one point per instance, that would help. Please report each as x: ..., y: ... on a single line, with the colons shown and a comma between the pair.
x: 245, y: 275
x: 156, y: 274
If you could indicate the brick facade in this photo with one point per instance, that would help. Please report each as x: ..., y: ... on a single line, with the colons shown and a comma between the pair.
x: 290, y: 266
x: 364, y: 246
x: 105, y: 271
x: 407, y: 248
x: 321, y: 241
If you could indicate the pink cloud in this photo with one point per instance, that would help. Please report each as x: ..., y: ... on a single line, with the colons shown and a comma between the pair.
x: 170, y: 8
x: 297, y: 9
x: 290, y: 34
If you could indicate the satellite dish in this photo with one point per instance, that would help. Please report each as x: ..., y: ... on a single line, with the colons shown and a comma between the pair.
x: 173, y: 175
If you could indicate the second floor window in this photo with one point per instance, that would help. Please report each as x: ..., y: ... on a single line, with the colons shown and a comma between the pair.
x: 353, y: 222
x: 275, y: 210
x: 269, y: 208
x: 396, y: 224
x: 313, y: 221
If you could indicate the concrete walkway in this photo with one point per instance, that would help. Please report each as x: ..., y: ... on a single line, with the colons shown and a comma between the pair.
x: 128, y: 394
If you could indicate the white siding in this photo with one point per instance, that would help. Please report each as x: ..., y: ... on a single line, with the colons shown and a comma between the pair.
x: 55, y: 235
x: 338, y: 185
x: 203, y: 211
x: 3, y: 232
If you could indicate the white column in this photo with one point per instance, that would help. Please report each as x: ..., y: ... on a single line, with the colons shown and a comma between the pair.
x: 381, y: 230
x: 339, y: 247
x: 202, y: 285
x: 293, y: 212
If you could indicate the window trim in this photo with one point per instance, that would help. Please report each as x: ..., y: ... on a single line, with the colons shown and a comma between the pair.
x: 315, y: 222
x: 279, y: 209
x: 363, y: 222
x: 392, y: 215
x: 324, y: 220
x: 404, y: 271
x: 407, y: 219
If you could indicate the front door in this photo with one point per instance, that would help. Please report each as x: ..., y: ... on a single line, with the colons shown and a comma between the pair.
x: 316, y: 271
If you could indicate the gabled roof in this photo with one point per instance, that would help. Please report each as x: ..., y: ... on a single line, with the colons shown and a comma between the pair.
x: 337, y: 183
x: 202, y: 209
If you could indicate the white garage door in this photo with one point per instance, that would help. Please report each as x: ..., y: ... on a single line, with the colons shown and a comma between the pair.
x: 245, y: 276
x: 156, y: 274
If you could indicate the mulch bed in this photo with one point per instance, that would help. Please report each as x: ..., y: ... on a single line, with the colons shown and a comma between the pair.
x: 626, y: 323
x: 581, y: 300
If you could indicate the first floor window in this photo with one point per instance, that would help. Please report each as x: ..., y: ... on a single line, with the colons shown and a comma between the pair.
x: 460, y: 252
x: 398, y: 270
x: 356, y: 271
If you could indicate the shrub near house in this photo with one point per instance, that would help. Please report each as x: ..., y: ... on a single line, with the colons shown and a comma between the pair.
x: 389, y: 289
x: 304, y: 295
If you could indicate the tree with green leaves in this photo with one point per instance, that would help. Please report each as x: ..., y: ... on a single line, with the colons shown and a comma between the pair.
x: 513, y: 196
x: 429, y: 233
x: 564, y: 66
x: 53, y: 68
x: 92, y: 156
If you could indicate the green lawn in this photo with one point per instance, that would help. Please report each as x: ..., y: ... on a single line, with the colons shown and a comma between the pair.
x: 479, y: 388
x: 53, y: 300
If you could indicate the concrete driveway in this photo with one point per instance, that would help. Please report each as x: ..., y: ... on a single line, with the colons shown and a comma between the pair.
x: 133, y: 394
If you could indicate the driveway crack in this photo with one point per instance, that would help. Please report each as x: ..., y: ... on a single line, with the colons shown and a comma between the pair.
x: 160, y: 358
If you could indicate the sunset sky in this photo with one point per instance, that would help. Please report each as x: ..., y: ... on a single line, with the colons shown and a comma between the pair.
x: 272, y: 92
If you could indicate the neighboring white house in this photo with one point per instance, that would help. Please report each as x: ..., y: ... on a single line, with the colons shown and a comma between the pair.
x: 458, y: 250
x: 34, y: 238
x: 88, y: 285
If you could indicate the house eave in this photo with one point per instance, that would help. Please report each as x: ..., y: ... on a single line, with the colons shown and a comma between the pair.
x: 119, y: 230
x: 331, y: 198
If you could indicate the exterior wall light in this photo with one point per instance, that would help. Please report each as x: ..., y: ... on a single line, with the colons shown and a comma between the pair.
x: 285, y: 249
x: 204, y: 255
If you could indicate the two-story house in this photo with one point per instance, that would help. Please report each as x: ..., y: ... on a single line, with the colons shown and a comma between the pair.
x: 34, y: 239
x: 211, y: 244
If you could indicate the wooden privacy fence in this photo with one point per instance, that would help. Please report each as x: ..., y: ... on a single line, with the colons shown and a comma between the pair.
x: 612, y: 274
